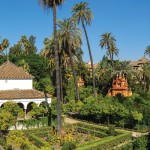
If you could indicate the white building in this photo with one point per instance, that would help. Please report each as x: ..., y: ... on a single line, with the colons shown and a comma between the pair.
x: 16, y: 85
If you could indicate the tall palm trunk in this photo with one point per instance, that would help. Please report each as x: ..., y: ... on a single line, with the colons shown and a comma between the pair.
x: 91, y: 59
x: 74, y: 74
x: 111, y: 58
x: 60, y: 73
x: 59, y: 123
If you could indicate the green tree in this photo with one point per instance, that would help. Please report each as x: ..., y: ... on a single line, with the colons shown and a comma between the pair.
x: 17, y: 139
x: 28, y: 46
x: 37, y: 111
x: 4, y: 45
x: 140, y: 143
x: 145, y: 76
x: 14, y: 109
x: 24, y: 65
x: 147, y: 51
x: 108, y: 42
x: 6, y: 119
x: 16, y: 50
x: 71, y: 39
x: 52, y: 4
x: 46, y: 86
x: 82, y: 13
x: 24, y: 46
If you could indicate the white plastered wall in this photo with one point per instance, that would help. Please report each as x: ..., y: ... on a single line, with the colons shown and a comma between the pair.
x: 11, y: 84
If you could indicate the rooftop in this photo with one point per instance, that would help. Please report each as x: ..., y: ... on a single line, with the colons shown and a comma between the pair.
x: 21, y: 94
x: 10, y: 71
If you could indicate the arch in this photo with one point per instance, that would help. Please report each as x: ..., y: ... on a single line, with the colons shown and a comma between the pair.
x: 29, y: 106
x: 44, y: 104
x: 2, y: 105
x: 21, y: 105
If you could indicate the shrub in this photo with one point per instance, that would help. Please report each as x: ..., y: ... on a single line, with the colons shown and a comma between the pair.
x: 140, y: 143
x: 111, y: 130
x: 69, y: 146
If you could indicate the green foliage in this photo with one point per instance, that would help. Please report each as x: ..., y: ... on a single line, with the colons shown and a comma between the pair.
x: 69, y: 146
x: 46, y: 85
x: 17, y: 139
x: 105, y: 143
x: 24, y: 46
x: 85, y: 92
x: 39, y: 142
x: 9, y: 114
x: 140, y: 143
x: 14, y: 109
x: 6, y: 119
x: 72, y: 106
x: 111, y: 129
x: 34, y: 122
x: 92, y: 132
x: 70, y: 90
x: 3, y: 143
x: 37, y: 111
x: 137, y: 116
x: 128, y: 146
x: 38, y: 65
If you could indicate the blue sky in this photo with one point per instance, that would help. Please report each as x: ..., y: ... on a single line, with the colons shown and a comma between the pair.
x: 127, y: 20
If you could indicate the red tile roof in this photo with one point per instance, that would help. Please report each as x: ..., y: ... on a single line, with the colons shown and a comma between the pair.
x: 21, y: 94
x: 10, y: 71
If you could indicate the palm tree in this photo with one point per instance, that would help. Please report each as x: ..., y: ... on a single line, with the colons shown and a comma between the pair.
x: 4, y: 44
x: 52, y: 4
x: 71, y: 39
x: 28, y: 46
x: 147, y: 51
x: 15, y: 50
x: 83, y: 14
x: 107, y: 42
x: 145, y: 72
x: 114, y: 51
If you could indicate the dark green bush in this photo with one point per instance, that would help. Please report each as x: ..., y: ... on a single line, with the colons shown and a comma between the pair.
x: 69, y: 146
x: 140, y: 143
x: 111, y: 130
x: 3, y: 143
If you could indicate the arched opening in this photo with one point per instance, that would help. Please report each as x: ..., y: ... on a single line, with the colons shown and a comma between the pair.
x: 21, y: 105
x: 29, y: 107
x: 2, y: 105
x: 44, y: 104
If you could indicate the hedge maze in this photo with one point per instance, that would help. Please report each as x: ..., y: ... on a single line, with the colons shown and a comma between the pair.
x: 106, y: 138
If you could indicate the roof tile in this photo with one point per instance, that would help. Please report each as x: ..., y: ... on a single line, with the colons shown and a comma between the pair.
x: 10, y: 71
x: 21, y: 94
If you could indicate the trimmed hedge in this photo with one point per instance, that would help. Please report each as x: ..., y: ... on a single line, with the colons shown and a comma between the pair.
x: 92, y: 126
x: 35, y: 135
x: 98, y: 128
x: 92, y: 132
x: 105, y: 143
x: 128, y: 146
x: 39, y: 142
x: 100, y: 131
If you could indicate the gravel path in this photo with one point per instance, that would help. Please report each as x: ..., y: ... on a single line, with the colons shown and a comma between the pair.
x: 70, y: 120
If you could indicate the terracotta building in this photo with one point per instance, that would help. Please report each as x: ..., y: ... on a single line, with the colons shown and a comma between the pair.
x: 120, y: 86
